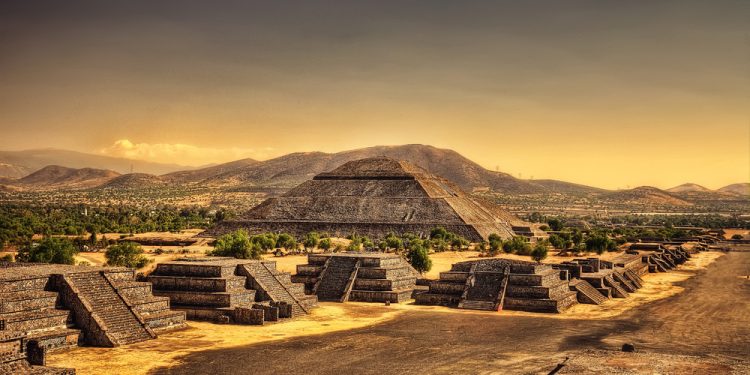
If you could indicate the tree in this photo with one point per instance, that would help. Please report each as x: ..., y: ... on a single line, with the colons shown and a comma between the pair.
x: 418, y: 257
x: 599, y: 243
x: 737, y: 237
x: 555, y: 224
x: 311, y: 240
x: 517, y: 245
x: 49, y: 250
x: 92, y: 239
x: 495, y: 247
x: 325, y: 244
x: 393, y: 242
x: 355, y: 244
x: 238, y: 245
x: 126, y: 254
x: 539, y: 252
x: 558, y: 242
x: 286, y: 241
x: 7, y: 258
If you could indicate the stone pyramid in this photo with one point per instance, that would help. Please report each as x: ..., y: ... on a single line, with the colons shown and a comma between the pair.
x: 373, y: 197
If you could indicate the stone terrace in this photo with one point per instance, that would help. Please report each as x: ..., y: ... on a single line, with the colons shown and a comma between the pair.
x: 495, y: 284
x: 56, y: 307
x: 230, y: 290
x: 365, y: 277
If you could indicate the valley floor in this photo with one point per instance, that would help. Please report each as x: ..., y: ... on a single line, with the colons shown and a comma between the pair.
x: 694, y: 319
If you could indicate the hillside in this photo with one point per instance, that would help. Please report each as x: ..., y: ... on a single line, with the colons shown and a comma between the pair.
x: 646, y: 195
x: 742, y: 189
x: 689, y: 188
x: 55, y: 176
x: 16, y: 164
x: 134, y: 181
x: 201, y: 174
x: 567, y: 187
x: 293, y: 169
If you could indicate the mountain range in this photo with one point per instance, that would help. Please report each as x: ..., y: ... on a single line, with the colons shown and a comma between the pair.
x: 85, y: 171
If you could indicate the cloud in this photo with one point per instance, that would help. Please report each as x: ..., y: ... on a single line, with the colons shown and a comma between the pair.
x: 179, y: 153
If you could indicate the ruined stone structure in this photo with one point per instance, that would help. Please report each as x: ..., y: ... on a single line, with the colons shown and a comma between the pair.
x: 230, y: 290
x: 56, y: 307
x: 374, y: 197
x: 661, y: 257
x: 365, y: 277
x: 16, y: 357
x: 596, y: 280
x: 495, y: 284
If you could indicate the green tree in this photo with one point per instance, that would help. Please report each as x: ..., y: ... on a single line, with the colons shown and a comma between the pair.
x: 418, y: 257
x: 393, y: 242
x: 325, y: 244
x: 539, y: 252
x: 555, y: 224
x: 126, y: 254
x: 599, y: 243
x: 517, y: 245
x: 286, y: 241
x: 49, y: 250
x: 238, y: 245
x: 558, y: 242
x: 311, y: 240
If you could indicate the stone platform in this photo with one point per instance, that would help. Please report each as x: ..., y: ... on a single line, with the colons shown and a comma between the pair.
x: 495, y: 284
x: 230, y: 290
x: 364, y: 277
x: 56, y: 307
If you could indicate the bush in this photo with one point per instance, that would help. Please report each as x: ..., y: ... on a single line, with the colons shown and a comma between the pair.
x: 238, y: 245
x: 393, y: 242
x: 311, y: 240
x: 325, y: 244
x: 539, y: 252
x: 599, y: 243
x: 126, y: 254
x: 419, y: 258
x: 286, y: 241
x: 49, y: 250
x: 159, y: 251
x: 517, y: 245
x: 737, y: 237
x: 7, y: 258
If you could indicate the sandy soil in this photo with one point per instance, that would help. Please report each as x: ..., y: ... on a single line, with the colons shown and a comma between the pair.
x: 369, y: 329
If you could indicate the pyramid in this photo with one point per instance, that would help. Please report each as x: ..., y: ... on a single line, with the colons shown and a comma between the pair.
x: 374, y: 197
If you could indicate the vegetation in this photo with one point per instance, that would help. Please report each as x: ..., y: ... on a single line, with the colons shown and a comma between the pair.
x: 325, y: 244
x: 311, y: 240
x: 418, y: 256
x: 517, y: 245
x: 237, y: 244
x: 737, y: 237
x: 539, y: 252
x: 441, y: 240
x: 600, y: 243
x: 126, y: 254
x: 49, y: 250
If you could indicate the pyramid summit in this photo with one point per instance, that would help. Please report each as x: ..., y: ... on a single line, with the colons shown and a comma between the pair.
x: 374, y: 197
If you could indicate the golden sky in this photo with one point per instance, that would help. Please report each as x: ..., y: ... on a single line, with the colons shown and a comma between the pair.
x: 605, y: 93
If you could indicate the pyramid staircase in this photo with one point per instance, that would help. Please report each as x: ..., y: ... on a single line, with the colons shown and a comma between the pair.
x: 336, y: 279
x: 587, y: 293
x: 108, y: 309
x: 277, y: 286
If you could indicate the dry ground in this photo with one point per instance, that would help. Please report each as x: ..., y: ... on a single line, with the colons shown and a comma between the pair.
x: 676, y: 320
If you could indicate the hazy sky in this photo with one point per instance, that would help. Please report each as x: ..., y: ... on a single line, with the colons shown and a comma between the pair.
x: 606, y: 93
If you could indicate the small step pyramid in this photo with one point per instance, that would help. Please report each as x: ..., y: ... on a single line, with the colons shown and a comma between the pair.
x: 364, y: 277
x: 495, y: 284
x: 230, y: 290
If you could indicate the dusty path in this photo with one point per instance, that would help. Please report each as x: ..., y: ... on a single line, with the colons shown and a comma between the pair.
x: 709, y: 319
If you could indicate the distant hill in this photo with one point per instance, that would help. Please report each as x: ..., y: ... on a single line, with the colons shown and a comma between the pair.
x: 55, y: 176
x: 689, y: 187
x: 567, y: 187
x: 742, y: 189
x: 201, y: 174
x: 646, y: 195
x: 293, y: 169
x: 16, y: 164
x: 134, y: 181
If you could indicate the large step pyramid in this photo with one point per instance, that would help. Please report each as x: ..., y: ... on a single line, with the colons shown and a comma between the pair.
x: 374, y: 197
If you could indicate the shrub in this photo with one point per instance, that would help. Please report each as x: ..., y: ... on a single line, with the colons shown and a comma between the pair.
x: 7, y: 258
x: 126, y: 254
x: 737, y: 237
x: 237, y: 244
x: 517, y: 245
x: 325, y: 244
x: 49, y: 250
x: 311, y: 240
x: 419, y: 258
x: 539, y: 252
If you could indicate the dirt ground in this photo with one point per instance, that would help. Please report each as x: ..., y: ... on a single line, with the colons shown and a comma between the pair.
x: 676, y: 320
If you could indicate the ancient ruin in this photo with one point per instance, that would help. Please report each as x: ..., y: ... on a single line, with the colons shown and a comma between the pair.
x: 374, y: 197
x: 230, y: 290
x: 56, y: 307
x: 364, y: 277
x: 496, y: 284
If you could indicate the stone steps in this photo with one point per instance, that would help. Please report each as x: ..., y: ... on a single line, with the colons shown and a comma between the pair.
x: 335, y: 278
x: 587, y: 293
x: 27, y: 300
x: 121, y: 323
x: 278, y: 287
x: 477, y: 305
x: 617, y: 290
